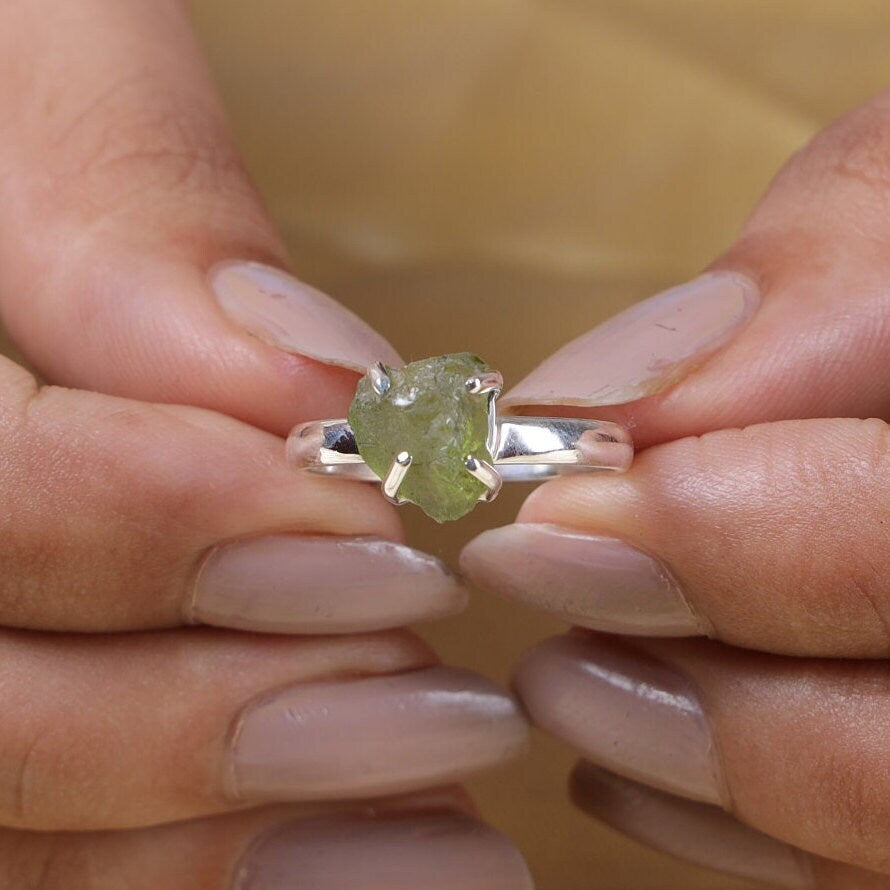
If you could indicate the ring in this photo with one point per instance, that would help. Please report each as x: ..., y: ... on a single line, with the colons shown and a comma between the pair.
x: 429, y: 432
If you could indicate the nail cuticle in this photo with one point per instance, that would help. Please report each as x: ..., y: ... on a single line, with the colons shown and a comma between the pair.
x: 189, y: 605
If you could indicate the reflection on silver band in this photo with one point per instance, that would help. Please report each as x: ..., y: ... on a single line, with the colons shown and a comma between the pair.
x: 526, y: 448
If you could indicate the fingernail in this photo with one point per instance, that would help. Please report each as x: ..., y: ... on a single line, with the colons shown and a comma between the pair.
x: 436, y: 851
x: 624, y: 710
x: 597, y: 582
x: 320, y: 585
x: 290, y: 315
x: 696, y: 832
x: 645, y: 349
x: 378, y: 735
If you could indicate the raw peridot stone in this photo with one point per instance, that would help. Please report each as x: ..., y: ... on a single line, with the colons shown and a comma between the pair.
x: 428, y: 412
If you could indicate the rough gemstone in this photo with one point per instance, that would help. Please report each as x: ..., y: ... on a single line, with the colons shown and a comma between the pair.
x: 428, y: 412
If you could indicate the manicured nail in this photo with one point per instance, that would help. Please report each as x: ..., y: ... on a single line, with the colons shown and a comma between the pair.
x: 623, y: 710
x: 303, y: 584
x: 696, y: 832
x: 646, y: 349
x: 373, y: 736
x: 292, y: 316
x: 594, y: 581
x: 435, y: 851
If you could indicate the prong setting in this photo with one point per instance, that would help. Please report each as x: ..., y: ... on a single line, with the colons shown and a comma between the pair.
x: 396, y: 476
x: 379, y: 378
x: 490, y: 382
x: 487, y: 475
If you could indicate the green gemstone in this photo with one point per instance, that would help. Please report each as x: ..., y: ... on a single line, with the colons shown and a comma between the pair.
x: 428, y: 412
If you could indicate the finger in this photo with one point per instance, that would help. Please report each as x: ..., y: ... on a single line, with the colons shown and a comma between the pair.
x: 790, y: 323
x: 771, y: 538
x: 121, y: 515
x: 708, y: 836
x: 132, y: 730
x: 119, y: 190
x: 794, y: 747
x: 418, y: 841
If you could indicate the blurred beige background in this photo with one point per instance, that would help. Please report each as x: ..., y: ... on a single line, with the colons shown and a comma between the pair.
x: 499, y: 175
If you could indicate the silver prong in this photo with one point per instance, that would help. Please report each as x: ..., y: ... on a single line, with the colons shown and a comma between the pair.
x: 487, y: 475
x: 379, y: 378
x: 485, y: 383
x: 395, y: 476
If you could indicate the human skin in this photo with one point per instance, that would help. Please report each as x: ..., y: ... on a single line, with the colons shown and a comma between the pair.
x: 145, y: 492
x: 756, y: 514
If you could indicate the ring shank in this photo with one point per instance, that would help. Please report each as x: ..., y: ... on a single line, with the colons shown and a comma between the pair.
x: 527, y: 448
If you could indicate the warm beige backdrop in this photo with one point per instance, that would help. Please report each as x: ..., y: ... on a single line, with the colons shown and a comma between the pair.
x: 498, y: 175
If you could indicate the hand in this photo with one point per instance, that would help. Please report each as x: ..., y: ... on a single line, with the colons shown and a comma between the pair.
x: 126, y: 517
x: 757, y: 515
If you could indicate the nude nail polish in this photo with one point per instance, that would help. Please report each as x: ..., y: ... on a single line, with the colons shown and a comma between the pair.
x: 696, y: 832
x: 646, y: 349
x: 297, y: 318
x: 373, y: 736
x: 322, y: 584
x: 623, y: 710
x: 435, y: 851
x: 592, y: 580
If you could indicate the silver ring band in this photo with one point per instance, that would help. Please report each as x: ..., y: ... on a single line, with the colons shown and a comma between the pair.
x: 526, y: 449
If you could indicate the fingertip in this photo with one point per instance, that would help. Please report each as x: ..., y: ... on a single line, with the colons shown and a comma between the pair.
x: 169, y: 341
x: 124, y: 193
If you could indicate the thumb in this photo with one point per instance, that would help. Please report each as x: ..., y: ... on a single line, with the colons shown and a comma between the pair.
x: 790, y: 323
x: 131, y: 231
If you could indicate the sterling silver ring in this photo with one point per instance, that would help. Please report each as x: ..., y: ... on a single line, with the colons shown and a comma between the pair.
x: 431, y: 435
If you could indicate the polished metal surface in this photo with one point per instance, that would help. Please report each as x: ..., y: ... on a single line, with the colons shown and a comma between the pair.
x: 487, y: 475
x: 396, y: 476
x: 490, y: 382
x: 379, y: 378
x: 525, y: 449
